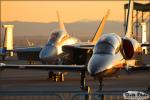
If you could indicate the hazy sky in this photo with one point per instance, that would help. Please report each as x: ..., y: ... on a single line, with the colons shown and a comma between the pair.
x: 70, y: 11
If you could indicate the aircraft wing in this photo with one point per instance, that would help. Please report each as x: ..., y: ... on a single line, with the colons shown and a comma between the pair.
x: 143, y: 67
x: 145, y: 44
x: 30, y: 53
x: 80, y: 46
x: 73, y: 68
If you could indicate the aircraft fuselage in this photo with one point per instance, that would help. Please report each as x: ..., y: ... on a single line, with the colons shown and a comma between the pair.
x: 109, y: 55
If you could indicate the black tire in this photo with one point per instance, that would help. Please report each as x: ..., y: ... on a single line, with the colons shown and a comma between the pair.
x: 50, y: 74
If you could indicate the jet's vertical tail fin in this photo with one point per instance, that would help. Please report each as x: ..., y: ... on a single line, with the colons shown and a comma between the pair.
x: 100, y: 28
x: 61, y: 24
x: 29, y: 43
x: 129, y: 26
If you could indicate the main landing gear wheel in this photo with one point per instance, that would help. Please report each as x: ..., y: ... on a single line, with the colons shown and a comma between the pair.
x: 51, y: 75
x: 56, y: 76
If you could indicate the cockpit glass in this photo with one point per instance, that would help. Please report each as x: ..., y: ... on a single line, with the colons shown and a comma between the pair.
x: 53, y: 38
x: 104, y: 48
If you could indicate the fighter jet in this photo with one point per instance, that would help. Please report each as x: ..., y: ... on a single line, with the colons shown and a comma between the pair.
x: 52, y: 49
x: 112, y: 52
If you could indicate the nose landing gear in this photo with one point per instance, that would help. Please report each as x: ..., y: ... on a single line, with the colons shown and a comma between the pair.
x: 56, y: 76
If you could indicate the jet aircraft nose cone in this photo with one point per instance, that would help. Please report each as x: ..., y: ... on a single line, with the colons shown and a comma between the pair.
x: 99, y: 63
x: 48, y: 52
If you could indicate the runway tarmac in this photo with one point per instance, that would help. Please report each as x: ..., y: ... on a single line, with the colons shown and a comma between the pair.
x: 38, y: 80
x: 27, y: 80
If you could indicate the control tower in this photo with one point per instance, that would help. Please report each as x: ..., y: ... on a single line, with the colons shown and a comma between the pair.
x: 8, y: 38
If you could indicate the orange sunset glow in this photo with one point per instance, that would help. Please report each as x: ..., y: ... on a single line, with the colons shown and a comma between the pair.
x: 71, y: 11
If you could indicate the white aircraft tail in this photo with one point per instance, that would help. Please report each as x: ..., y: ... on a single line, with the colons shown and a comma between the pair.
x: 61, y: 24
x: 100, y: 28
x: 30, y: 44
x: 129, y: 26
